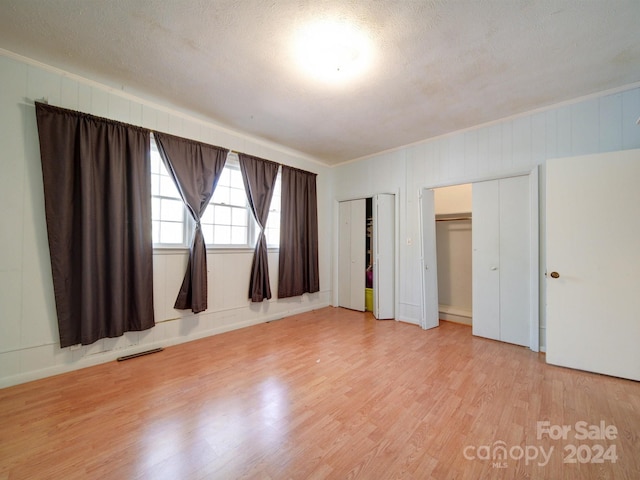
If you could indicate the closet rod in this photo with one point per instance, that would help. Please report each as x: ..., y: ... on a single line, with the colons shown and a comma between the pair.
x: 452, y: 219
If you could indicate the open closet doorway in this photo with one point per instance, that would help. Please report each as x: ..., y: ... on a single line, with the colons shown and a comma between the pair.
x: 366, y: 255
x: 453, y: 211
x: 504, y: 257
x: 446, y: 214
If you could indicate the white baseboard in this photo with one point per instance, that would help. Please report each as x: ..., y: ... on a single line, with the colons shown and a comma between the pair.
x: 455, y: 314
x: 92, y: 359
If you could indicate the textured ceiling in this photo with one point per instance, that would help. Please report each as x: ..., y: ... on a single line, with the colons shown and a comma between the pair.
x: 437, y: 66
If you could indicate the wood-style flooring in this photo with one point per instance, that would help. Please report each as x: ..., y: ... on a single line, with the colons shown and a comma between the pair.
x: 327, y: 394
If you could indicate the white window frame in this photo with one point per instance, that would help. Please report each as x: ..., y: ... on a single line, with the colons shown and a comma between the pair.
x: 232, y: 162
x: 187, y: 222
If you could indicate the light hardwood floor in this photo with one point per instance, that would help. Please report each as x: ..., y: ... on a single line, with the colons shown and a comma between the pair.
x: 327, y: 394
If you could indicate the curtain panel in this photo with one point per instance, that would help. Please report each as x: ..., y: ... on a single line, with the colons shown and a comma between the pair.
x: 195, y: 168
x: 298, y: 259
x: 98, y: 211
x: 259, y: 177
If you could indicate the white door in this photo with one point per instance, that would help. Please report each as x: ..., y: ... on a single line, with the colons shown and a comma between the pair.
x: 593, y: 263
x: 430, y: 315
x: 485, y: 241
x: 383, y: 256
x: 502, y: 260
x: 351, y: 254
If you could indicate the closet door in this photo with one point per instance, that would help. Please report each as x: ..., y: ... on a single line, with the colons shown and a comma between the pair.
x: 485, y: 240
x: 502, y: 260
x: 384, y: 256
x: 351, y: 254
x: 515, y: 270
x: 430, y: 315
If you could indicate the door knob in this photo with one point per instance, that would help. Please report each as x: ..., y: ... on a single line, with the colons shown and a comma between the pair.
x: 554, y: 275
x: 494, y: 268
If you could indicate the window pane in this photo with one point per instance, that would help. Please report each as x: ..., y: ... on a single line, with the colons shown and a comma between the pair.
x: 222, y: 215
x: 239, y: 235
x: 222, y: 235
x: 207, y: 216
x: 167, y: 210
x: 207, y: 232
x: 221, y: 195
x: 155, y: 162
x: 275, y: 223
x: 239, y: 217
x: 155, y: 208
x: 275, y: 203
x: 155, y: 231
x: 238, y: 197
x: 171, y: 232
x: 155, y: 185
x: 172, y: 210
x: 224, y: 178
x: 168, y: 188
x: 273, y: 237
x: 236, y: 178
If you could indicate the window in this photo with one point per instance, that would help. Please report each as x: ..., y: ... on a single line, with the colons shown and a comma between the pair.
x: 227, y: 221
x: 168, y: 212
x: 272, y: 229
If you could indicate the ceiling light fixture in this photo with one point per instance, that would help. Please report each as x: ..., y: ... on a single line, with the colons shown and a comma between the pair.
x: 332, y: 51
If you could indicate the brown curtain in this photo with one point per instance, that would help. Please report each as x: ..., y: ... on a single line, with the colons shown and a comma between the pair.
x: 298, y: 264
x: 195, y: 168
x: 259, y: 177
x: 98, y: 209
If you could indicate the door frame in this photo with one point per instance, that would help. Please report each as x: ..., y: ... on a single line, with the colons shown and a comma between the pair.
x: 336, y: 244
x: 534, y: 246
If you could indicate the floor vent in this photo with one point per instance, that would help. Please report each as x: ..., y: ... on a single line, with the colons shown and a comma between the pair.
x: 140, y: 354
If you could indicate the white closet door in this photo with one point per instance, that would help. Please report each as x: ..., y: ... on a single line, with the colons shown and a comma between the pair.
x: 515, y: 273
x: 430, y: 315
x: 593, y: 232
x: 502, y: 260
x: 351, y: 254
x: 384, y: 256
x: 485, y: 240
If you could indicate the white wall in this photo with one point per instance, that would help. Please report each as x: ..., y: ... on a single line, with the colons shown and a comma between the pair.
x: 29, y: 344
x: 600, y: 123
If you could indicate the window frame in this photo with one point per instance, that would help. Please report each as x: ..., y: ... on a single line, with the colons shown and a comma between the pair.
x: 187, y: 221
x: 188, y: 224
x: 232, y: 163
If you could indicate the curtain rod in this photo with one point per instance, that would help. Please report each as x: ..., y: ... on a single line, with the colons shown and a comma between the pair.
x: 45, y: 101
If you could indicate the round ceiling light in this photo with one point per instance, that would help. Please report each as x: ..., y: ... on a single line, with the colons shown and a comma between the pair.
x: 333, y: 51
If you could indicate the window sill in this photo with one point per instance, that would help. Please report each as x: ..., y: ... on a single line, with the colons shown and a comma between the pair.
x: 212, y: 250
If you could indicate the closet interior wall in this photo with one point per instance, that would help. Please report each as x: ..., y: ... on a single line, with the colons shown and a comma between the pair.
x: 453, y: 207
